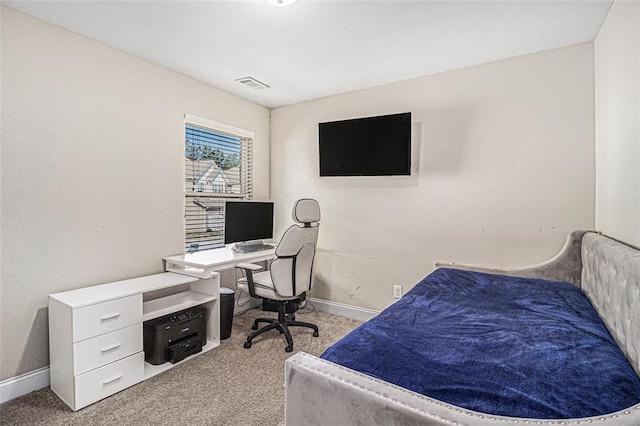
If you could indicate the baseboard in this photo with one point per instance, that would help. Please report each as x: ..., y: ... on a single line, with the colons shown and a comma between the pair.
x: 24, y: 384
x: 348, y: 311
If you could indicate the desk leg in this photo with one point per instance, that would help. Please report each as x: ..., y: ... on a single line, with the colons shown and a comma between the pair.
x: 211, y: 286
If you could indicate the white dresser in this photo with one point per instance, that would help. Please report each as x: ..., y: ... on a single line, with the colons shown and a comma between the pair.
x: 95, y: 333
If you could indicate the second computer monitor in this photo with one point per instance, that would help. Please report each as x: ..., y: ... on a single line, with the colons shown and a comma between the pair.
x: 247, y: 221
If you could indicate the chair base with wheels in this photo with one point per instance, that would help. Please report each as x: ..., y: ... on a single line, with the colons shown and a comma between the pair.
x: 282, y: 324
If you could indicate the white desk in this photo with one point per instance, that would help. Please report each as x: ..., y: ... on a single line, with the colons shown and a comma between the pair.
x: 96, y: 345
x: 96, y: 333
x: 204, y: 263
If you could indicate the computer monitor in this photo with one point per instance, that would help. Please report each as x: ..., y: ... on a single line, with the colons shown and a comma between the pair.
x: 246, y: 221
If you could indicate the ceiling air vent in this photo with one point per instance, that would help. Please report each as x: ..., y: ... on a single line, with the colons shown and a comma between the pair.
x: 253, y: 83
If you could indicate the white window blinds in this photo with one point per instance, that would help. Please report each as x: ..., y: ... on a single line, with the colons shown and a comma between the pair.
x: 218, y: 166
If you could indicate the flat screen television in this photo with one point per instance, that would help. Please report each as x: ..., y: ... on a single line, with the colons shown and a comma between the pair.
x: 371, y: 146
x: 247, y: 221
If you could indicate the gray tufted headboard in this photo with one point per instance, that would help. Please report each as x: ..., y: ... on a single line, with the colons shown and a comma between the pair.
x: 611, y: 280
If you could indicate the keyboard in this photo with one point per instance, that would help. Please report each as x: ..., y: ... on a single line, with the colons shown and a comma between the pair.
x: 253, y: 248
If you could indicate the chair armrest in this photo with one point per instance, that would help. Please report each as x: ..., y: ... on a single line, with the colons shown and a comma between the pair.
x: 249, y: 266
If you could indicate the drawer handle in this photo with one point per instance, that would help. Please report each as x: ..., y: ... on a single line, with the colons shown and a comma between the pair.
x: 110, y: 348
x: 108, y: 317
x: 113, y: 379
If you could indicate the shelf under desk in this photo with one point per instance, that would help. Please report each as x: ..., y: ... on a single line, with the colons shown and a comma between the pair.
x: 151, y: 370
x: 175, y: 302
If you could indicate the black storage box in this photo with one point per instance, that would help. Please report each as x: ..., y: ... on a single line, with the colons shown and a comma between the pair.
x: 184, y: 331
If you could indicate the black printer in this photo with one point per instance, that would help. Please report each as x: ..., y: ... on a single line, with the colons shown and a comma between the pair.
x: 176, y: 336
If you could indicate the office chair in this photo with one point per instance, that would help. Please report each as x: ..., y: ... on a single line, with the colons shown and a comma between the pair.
x: 289, y: 278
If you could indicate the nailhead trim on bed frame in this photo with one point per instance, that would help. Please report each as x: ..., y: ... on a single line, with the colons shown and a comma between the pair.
x: 513, y: 420
x: 395, y: 401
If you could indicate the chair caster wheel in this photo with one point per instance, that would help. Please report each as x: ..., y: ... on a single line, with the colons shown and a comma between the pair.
x: 293, y: 317
x: 247, y: 345
x: 288, y: 349
x: 315, y: 334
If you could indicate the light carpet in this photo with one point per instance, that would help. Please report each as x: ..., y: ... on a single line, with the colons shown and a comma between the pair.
x: 228, y: 385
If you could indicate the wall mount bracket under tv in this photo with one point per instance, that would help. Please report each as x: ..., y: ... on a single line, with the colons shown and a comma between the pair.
x: 370, y: 146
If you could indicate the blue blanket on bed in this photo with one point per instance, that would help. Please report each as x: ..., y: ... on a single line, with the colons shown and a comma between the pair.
x: 495, y: 344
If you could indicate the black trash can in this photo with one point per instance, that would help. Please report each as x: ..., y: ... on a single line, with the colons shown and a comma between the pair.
x: 227, y: 301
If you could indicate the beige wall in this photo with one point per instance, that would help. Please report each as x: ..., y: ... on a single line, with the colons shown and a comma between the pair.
x: 505, y: 169
x: 92, y: 142
x: 617, y: 82
x: 92, y: 170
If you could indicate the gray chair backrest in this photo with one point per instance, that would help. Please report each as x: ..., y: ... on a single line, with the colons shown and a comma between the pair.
x: 291, y: 270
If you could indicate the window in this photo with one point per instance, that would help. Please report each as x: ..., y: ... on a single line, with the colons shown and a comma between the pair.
x: 218, y: 167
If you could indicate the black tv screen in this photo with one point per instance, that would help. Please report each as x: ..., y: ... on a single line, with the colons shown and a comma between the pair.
x: 372, y: 146
x: 247, y: 221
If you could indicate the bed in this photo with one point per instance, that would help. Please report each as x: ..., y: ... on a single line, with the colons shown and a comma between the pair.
x: 556, y: 343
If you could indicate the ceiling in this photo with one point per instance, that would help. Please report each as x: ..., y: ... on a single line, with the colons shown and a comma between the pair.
x: 318, y: 48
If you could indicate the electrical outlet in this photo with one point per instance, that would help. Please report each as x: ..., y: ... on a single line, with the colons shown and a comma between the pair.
x: 397, y: 291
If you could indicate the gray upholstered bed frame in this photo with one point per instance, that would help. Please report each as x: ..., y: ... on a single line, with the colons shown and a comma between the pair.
x: 319, y: 392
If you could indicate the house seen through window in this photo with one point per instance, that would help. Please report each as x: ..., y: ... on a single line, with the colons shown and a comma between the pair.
x: 218, y: 167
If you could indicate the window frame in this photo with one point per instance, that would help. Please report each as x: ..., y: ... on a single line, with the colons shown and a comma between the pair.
x: 245, y: 180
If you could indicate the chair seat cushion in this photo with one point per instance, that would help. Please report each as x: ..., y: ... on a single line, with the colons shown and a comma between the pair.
x: 263, y: 286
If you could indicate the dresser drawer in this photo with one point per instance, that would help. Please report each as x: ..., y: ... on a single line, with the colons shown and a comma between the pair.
x: 106, y: 348
x: 101, y: 318
x: 104, y: 381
